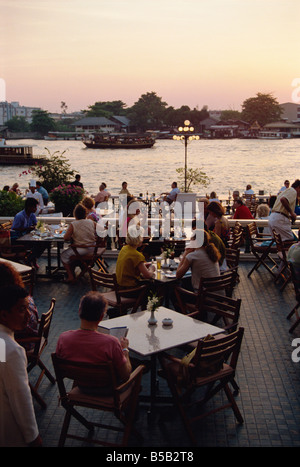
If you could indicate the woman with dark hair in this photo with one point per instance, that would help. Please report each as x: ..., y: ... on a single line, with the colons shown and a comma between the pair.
x: 217, y: 221
x: 81, y: 232
x: 203, y: 259
x: 10, y: 276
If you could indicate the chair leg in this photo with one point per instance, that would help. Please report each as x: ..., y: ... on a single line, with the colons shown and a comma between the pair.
x: 37, y: 397
x: 233, y: 404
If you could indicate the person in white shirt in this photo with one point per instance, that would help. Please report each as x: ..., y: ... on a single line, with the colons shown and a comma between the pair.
x: 171, y: 197
x: 18, y: 426
x: 285, y: 186
x: 32, y: 193
x: 249, y: 190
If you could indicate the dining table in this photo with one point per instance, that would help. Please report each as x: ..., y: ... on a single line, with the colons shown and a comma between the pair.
x: 172, y: 330
x: 49, y: 238
x: 18, y: 266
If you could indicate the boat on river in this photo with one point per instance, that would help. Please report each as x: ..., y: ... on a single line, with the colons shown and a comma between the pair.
x: 18, y: 154
x: 269, y: 135
x: 119, y: 141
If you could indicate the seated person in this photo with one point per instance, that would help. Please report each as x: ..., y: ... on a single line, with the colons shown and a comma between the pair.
x: 10, y: 276
x: 217, y: 221
x: 102, y: 196
x: 249, y: 190
x: 82, y: 231
x: 18, y: 427
x: 172, y: 195
x: 24, y: 222
x: 263, y: 212
x: 89, y: 204
x: 131, y: 263
x: 213, y: 197
x: 125, y: 191
x: 241, y: 211
x: 88, y: 345
x: 203, y: 260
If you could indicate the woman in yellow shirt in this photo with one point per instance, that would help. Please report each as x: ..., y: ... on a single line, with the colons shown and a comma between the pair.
x: 131, y: 263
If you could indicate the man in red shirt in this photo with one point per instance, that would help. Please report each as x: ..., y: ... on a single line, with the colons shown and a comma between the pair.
x: 88, y: 345
x: 241, y: 211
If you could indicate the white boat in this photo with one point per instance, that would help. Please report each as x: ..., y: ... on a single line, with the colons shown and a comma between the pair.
x: 269, y: 135
x: 61, y: 136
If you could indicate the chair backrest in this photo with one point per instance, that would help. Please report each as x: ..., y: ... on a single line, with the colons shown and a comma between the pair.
x: 211, y: 354
x: 44, y: 327
x: 216, y: 307
x: 237, y: 235
x: 96, y: 376
x: 252, y: 230
x: 232, y: 257
x: 103, y: 279
x: 85, y: 374
x: 28, y: 280
x: 224, y: 282
x: 6, y: 225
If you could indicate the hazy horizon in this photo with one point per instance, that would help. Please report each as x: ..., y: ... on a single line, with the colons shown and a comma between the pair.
x: 191, y: 53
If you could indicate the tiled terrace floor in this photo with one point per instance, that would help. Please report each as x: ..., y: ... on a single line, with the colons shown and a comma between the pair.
x: 269, y: 398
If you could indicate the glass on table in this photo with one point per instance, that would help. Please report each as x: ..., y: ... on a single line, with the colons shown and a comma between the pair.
x: 158, y: 262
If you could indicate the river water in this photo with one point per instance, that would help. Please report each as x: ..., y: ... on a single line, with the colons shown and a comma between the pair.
x: 230, y: 164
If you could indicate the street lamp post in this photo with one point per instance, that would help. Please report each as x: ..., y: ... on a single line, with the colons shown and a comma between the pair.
x: 186, y: 135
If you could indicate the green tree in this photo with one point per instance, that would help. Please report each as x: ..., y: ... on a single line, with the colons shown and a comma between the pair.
x: 194, y: 177
x: 42, y: 122
x: 147, y: 113
x: 18, y: 124
x: 55, y: 171
x: 106, y: 109
x: 263, y: 108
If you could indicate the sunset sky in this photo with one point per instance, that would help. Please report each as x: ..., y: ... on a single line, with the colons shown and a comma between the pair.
x: 190, y: 52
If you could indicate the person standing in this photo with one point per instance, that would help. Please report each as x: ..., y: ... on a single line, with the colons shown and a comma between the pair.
x: 283, y: 212
x: 40, y: 189
x: 77, y: 181
x: 18, y: 426
x: 32, y: 193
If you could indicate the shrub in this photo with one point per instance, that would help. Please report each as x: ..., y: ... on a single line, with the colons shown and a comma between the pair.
x: 10, y: 204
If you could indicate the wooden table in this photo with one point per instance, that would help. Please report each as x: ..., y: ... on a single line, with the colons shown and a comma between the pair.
x: 150, y: 340
x: 18, y: 266
x: 48, y: 242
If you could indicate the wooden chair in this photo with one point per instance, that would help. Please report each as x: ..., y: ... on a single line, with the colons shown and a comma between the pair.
x: 121, y: 402
x: 90, y: 259
x: 260, y: 250
x: 296, y: 283
x: 232, y: 256
x: 18, y: 253
x: 188, y: 301
x: 213, y: 366
x: 236, y: 236
x: 120, y: 299
x: 284, y: 272
x: 34, y: 356
x: 28, y: 278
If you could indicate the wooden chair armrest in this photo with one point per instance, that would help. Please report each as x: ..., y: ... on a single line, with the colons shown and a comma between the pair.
x: 135, y: 373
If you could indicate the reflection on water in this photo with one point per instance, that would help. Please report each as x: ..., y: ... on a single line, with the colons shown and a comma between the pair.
x: 230, y: 164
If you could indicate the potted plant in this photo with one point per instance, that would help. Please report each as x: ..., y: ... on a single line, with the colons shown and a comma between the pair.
x: 65, y: 197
